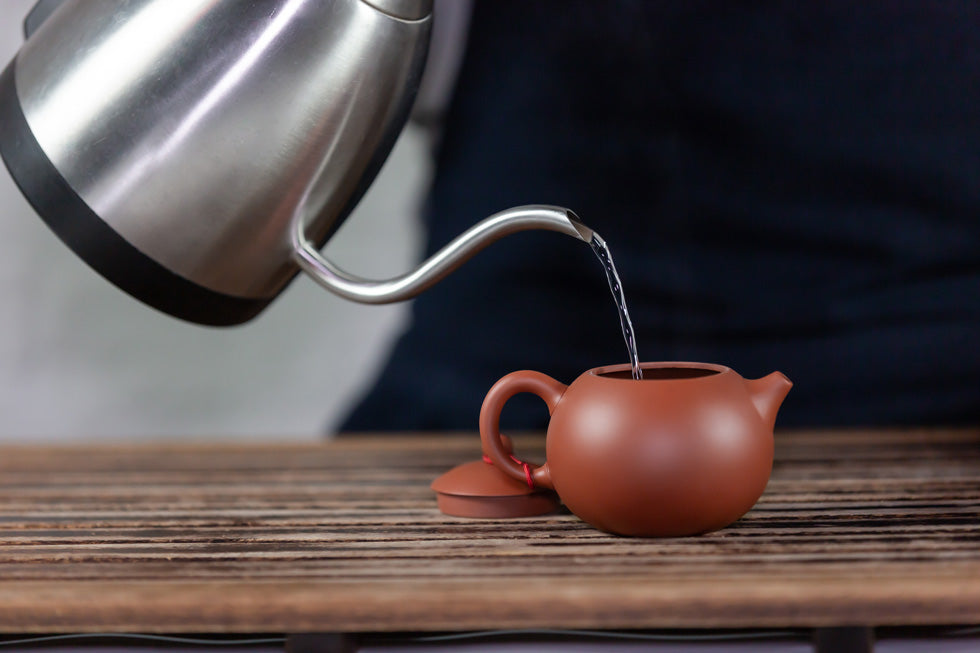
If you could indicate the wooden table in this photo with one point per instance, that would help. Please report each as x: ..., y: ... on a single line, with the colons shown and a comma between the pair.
x: 856, y: 528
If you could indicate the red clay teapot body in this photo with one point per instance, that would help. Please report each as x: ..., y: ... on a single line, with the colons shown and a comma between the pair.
x: 686, y: 450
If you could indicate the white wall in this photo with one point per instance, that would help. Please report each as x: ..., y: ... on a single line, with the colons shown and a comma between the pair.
x: 81, y: 359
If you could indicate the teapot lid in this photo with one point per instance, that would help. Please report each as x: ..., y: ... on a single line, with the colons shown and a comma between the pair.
x: 478, y: 489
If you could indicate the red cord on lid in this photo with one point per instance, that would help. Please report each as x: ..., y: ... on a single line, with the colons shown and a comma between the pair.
x: 527, y: 473
x: 524, y: 465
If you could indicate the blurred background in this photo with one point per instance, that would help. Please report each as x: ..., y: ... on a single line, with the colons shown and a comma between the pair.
x: 81, y: 359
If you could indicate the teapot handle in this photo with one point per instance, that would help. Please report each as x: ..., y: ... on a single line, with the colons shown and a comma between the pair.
x: 514, y: 383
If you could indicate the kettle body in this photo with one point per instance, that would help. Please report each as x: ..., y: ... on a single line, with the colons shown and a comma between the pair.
x: 199, y: 153
x: 176, y: 145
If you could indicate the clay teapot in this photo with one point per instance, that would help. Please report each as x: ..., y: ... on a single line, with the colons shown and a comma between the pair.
x: 687, y: 449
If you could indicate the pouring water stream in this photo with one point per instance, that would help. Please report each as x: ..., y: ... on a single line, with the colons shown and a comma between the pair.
x: 616, y: 287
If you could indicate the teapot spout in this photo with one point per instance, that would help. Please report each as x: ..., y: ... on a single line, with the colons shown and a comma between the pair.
x: 440, y: 264
x: 767, y: 394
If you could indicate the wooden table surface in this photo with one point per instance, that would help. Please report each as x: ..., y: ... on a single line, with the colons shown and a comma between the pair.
x: 868, y: 528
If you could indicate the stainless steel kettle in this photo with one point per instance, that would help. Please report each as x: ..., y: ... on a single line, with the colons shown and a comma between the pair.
x: 197, y: 153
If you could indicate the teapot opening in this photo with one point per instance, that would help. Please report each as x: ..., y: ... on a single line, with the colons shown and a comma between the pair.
x: 662, y: 373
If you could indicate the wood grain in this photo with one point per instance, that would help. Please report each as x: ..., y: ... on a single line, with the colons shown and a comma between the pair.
x: 856, y: 527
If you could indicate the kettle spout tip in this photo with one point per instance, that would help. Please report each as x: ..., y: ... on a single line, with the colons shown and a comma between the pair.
x: 768, y: 394
x: 582, y: 232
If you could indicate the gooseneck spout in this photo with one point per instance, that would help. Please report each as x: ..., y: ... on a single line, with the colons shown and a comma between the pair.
x: 440, y: 264
x: 767, y: 394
